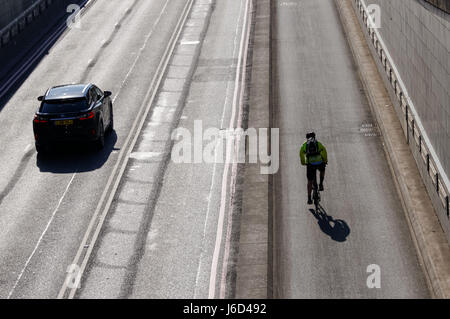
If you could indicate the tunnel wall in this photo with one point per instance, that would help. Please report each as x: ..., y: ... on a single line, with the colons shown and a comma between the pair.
x: 417, y: 36
x: 11, y: 9
x: 17, y: 16
x: 411, y: 50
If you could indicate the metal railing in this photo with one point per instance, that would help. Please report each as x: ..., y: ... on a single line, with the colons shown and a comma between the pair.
x: 415, y: 133
x: 24, y: 19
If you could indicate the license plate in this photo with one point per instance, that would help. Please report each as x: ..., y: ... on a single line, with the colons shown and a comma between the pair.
x: 64, y: 122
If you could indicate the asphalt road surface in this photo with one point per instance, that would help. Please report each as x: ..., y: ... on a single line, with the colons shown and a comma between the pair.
x: 165, y: 232
x: 47, y: 202
x: 362, y: 222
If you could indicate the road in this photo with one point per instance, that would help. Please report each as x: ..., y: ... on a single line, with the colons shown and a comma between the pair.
x: 48, y: 202
x: 131, y: 222
x: 317, y: 89
x: 178, y: 250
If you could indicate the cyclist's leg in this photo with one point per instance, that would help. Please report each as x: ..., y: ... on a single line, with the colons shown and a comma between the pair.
x: 316, y: 194
x: 310, y: 188
x: 309, y: 175
x: 322, y: 176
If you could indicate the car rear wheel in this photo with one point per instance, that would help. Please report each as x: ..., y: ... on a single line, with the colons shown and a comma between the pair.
x: 100, y: 143
x: 111, y: 119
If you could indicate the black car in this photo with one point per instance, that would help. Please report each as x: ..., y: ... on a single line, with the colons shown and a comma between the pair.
x: 73, y: 113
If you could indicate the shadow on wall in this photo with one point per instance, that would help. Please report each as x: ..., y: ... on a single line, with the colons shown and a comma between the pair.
x: 444, y: 5
x: 21, y: 53
x: 11, y: 9
x: 337, y: 229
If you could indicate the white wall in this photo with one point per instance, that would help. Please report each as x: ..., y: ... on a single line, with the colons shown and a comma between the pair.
x: 418, y: 38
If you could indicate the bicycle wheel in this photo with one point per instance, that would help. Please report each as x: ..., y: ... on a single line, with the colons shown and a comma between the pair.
x: 316, y: 196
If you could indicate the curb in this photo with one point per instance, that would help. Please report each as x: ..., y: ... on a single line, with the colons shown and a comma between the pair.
x: 427, y: 233
x: 253, y: 275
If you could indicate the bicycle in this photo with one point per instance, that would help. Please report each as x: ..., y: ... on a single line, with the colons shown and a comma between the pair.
x: 316, y: 194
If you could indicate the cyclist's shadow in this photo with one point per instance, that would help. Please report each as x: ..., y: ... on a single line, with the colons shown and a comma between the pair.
x: 337, y: 229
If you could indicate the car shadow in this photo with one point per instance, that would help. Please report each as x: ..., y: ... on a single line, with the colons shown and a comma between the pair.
x: 71, y: 158
x: 337, y: 229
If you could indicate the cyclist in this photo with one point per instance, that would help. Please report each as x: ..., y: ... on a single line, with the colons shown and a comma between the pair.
x: 314, y: 155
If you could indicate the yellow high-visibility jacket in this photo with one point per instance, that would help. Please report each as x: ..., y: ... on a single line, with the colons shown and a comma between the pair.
x: 314, y: 160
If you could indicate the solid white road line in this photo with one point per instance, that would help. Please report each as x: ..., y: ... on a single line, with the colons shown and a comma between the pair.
x: 223, y: 203
x: 213, y: 178
x: 234, y: 167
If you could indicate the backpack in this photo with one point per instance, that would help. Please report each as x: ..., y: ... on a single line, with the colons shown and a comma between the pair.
x: 312, y: 147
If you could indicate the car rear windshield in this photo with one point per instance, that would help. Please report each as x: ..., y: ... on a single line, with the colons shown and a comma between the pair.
x: 64, y: 106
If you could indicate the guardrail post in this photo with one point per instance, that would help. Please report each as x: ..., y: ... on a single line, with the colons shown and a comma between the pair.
x: 390, y: 75
x: 407, y: 124
x: 437, y: 182
x: 428, y: 162
x: 413, y: 123
x: 448, y: 206
x: 420, y: 144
